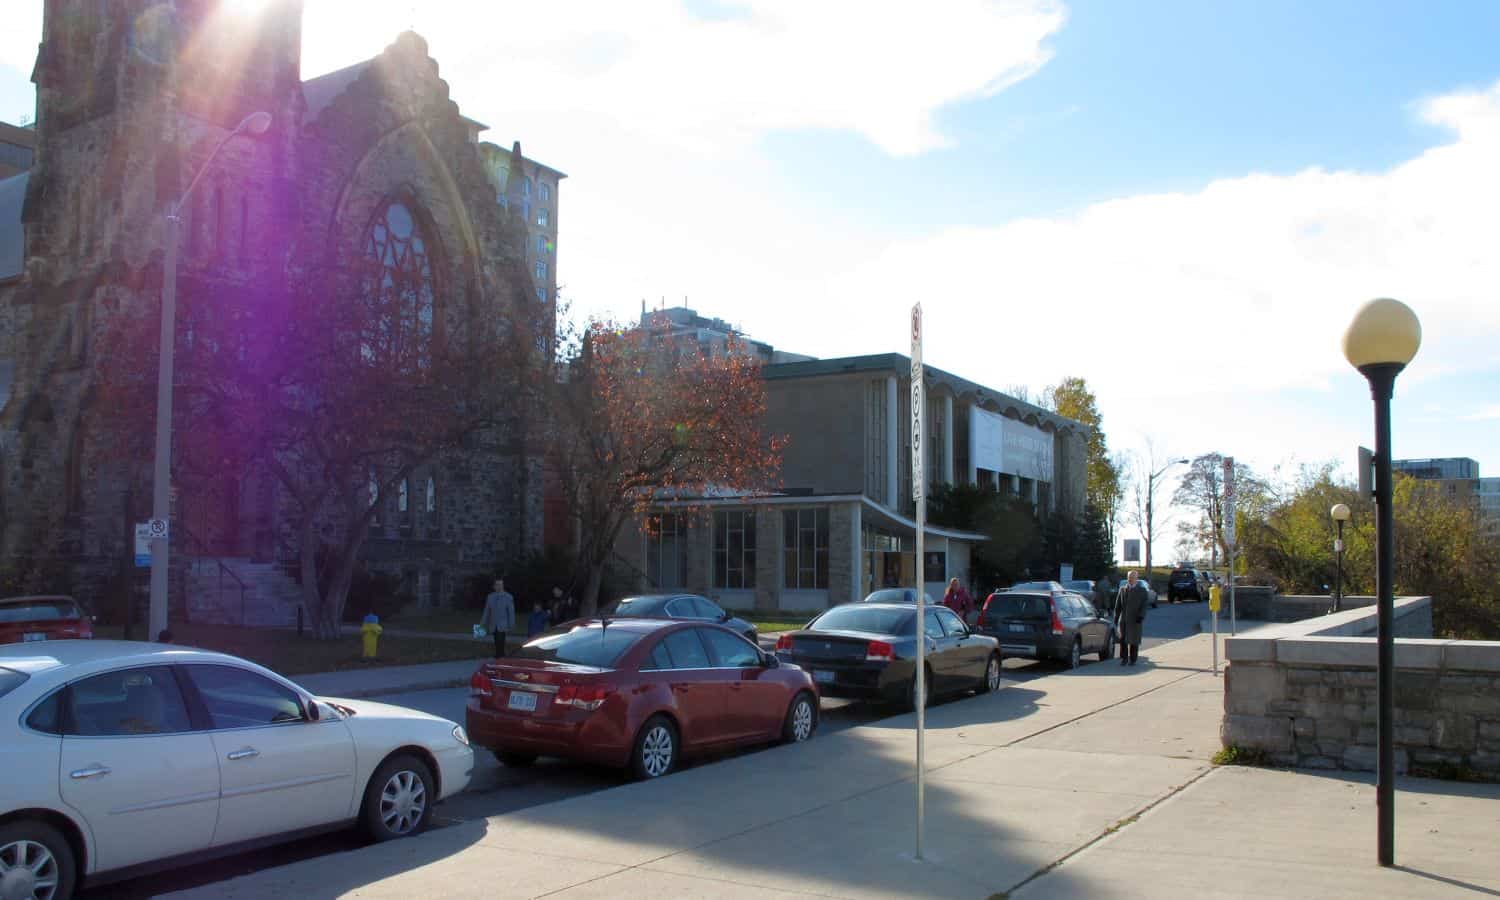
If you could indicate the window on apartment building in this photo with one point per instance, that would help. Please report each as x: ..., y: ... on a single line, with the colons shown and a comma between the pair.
x: 542, y: 217
x: 804, y: 547
x: 666, y: 551
x: 541, y: 295
x: 875, y: 443
x: 734, y: 549
x: 541, y: 270
x: 545, y: 190
x: 543, y: 246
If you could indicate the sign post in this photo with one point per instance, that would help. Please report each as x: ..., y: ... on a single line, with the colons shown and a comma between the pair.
x: 919, y: 494
x: 1229, y: 537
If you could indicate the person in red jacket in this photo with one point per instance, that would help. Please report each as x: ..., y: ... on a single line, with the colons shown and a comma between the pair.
x: 958, y: 599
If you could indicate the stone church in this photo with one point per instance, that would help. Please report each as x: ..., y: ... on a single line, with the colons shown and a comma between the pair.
x: 133, y: 98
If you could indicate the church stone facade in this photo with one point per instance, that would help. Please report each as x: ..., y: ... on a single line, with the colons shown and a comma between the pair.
x: 131, y: 101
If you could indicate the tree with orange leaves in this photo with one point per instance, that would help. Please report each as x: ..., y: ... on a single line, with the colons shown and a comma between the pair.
x: 635, y: 424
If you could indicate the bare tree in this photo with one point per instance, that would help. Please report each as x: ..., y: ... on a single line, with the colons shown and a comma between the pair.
x: 1144, y: 512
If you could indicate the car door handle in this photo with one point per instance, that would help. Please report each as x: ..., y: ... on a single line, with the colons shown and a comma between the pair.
x: 89, y: 772
x: 246, y: 753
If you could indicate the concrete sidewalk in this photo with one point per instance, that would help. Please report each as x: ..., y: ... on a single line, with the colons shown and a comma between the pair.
x: 389, y: 679
x: 1094, y: 781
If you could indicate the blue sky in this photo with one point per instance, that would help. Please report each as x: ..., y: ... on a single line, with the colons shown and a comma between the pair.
x: 1183, y: 202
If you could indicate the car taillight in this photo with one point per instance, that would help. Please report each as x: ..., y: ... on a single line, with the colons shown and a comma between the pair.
x: 1057, y: 625
x: 588, y: 697
x: 479, y: 685
x: 879, y: 651
x: 784, y: 641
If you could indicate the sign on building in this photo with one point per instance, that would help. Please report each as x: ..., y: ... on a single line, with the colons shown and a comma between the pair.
x: 1002, y: 444
x: 1132, y: 550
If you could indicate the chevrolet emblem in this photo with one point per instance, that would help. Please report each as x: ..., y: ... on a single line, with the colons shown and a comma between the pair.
x: 522, y: 676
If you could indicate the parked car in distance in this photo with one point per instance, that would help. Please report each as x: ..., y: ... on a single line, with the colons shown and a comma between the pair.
x: 47, y: 617
x: 683, y: 608
x: 868, y: 651
x: 1087, y: 589
x: 1187, y: 584
x: 120, y: 756
x: 1058, y: 625
x: 895, y: 595
x: 643, y: 693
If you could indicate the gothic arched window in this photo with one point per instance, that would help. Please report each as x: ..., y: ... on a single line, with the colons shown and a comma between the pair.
x: 400, y: 329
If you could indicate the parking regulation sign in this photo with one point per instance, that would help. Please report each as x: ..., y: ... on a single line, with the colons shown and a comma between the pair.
x: 142, y: 545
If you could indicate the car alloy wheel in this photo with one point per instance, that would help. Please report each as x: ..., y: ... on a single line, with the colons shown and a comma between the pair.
x: 1108, y: 650
x: 403, y: 801
x: 36, y: 862
x: 656, y: 749
x: 398, y: 799
x: 926, y: 690
x: 1075, y: 655
x: 28, y: 870
x: 801, y: 719
x: 992, y: 675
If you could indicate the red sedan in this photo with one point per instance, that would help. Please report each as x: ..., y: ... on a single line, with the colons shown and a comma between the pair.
x: 42, y: 618
x: 641, y: 693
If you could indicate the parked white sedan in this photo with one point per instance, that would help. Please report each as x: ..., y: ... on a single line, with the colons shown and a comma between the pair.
x: 118, y: 756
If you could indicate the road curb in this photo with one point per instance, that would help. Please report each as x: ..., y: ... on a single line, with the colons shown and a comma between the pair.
x: 403, y: 689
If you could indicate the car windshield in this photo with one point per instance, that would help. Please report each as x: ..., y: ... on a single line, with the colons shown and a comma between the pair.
x: 38, y: 610
x: 857, y: 618
x: 590, y: 645
x: 1022, y: 606
x: 637, y: 606
x: 10, y: 679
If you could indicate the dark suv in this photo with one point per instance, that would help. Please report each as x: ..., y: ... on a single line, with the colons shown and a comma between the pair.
x: 1187, y: 584
x: 1035, y: 625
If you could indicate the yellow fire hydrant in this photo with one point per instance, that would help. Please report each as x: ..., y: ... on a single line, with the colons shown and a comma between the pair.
x: 370, y: 634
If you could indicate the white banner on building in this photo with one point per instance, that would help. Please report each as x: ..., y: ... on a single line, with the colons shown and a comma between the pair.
x: 1002, y: 444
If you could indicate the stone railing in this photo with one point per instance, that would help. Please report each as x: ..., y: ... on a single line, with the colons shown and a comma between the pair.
x: 1304, y: 694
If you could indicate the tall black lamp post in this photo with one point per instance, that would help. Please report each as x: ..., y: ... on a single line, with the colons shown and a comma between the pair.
x: 1340, y: 514
x: 1382, y: 339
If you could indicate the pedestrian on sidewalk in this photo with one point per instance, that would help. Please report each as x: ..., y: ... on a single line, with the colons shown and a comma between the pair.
x: 958, y: 599
x: 1130, y: 617
x: 499, y: 615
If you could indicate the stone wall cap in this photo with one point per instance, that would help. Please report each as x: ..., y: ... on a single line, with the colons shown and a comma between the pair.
x: 1473, y: 656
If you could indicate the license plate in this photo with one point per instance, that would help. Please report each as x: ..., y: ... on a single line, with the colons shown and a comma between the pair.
x: 1021, y: 628
x: 522, y: 700
x: 824, y: 677
x: 34, y: 636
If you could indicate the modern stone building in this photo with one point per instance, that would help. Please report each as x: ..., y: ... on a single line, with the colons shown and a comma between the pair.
x: 132, y: 99
x: 844, y: 522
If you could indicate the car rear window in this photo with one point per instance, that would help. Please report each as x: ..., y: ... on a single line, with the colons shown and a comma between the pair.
x: 892, y: 595
x: 592, y: 645
x: 857, y: 618
x: 10, y: 680
x: 637, y: 606
x: 38, y: 611
x: 1020, y: 606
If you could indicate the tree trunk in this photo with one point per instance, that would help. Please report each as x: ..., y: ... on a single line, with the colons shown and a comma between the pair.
x: 312, y: 601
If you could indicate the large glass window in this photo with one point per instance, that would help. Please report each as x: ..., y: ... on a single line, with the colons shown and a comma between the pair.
x: 734, y: 549
x: 128, y: 702
x: 666, y: 551
x: 237, y: 698
x: 805, y: 549
x: 399, y: 331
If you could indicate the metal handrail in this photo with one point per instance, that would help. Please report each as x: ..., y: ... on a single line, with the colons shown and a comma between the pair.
x: 223, y: 570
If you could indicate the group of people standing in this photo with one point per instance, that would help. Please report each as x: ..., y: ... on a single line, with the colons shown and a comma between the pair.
x: 499, y: 617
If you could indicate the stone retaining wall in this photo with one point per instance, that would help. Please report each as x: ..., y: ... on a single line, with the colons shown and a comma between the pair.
x: 1304, y: 694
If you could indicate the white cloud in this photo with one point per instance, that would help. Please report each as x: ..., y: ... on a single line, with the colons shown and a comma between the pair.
x: 1488, y: 414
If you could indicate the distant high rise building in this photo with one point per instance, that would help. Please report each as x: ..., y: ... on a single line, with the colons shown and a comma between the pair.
x: 1488, y: 496
x: 1446, y: 468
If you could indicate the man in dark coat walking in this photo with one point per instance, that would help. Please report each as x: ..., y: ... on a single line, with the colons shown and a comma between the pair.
x: 1130, y: 617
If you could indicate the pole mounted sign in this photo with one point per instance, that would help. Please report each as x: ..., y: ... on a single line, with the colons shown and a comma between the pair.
x: 1229, y: 537
x: 919, y: 494
x: 145, y: 533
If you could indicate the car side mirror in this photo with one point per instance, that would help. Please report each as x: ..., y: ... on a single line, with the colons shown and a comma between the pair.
x: 770, y: 661
x: 312, y: 710
x: 724, y: 616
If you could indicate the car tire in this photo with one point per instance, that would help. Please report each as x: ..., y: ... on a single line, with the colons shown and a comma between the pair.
x: 29, y: 844
x: 656, y: 749
x: 992, y: 671
x: 1074, y: 659
x: 1108, y: 650
x: 801, y: 719
x: 399, y: 799
x: 911, y: 690
x: 515, y: 760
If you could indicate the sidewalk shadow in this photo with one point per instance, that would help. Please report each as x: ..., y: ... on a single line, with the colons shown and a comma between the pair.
x: 1454, y: 882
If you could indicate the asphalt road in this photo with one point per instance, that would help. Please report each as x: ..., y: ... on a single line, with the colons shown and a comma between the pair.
x: 496, y: 790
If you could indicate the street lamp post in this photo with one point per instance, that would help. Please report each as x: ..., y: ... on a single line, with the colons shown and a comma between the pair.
x: 255, y: 123
x: 1340, y: 514
x: 1382, y: 339
x: 1150, y: 503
